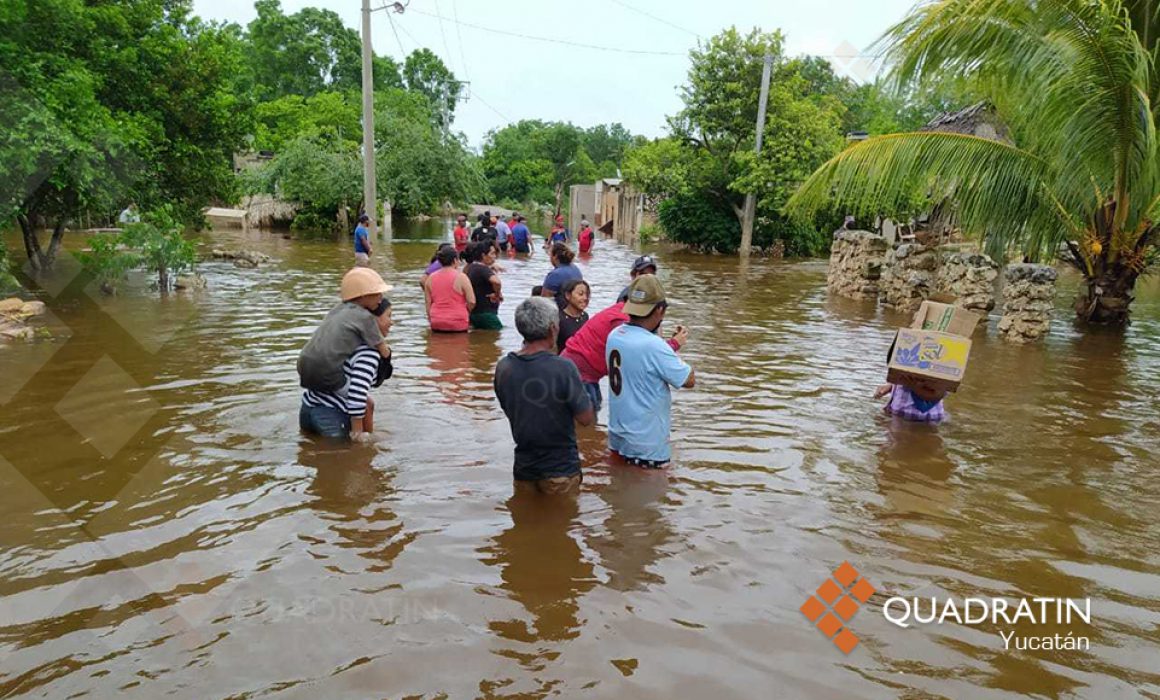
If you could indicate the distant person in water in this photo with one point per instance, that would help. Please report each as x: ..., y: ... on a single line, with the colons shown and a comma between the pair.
x: 486, y: 285
x: 521, y: 237
x: 586, y: 236
x: 448, y: 295
x: 543, y: 399
x: 644, y: 265
x: 362, y: 242
x: 485, y: 231
x: 563, y: 270
x: 559, y: 233
x: 504, y: 231
x: 641, y: 369
x: 461, y: 234
x: 574, y: 315
x: 921, y: 402
x: 349, y: 412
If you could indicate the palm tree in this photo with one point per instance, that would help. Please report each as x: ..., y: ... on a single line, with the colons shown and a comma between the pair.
x: 1075, y: 82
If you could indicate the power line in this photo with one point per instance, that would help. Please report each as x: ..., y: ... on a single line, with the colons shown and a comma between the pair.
x: 613, y: 49
x: 402, y: 51
x: 443, y: 33
x: 626, y: 6
x: 474, y: 92
x: 458, y: 33
x: 547, y: 40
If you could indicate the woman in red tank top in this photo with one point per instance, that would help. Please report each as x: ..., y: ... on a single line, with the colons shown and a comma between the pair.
x: 449, y: 295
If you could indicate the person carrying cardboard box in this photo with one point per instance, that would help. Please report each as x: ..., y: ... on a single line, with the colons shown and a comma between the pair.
x: 927, y: 361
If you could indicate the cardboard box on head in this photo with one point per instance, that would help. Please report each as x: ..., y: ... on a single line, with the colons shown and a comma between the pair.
x: 929, y: 357
x: 940, y: 314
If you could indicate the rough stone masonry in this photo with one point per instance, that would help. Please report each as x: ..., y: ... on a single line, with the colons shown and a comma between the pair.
x: 856, y: 261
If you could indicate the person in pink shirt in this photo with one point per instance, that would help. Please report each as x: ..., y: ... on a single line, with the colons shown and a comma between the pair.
x: 449, y: 295
x: 586, y: 348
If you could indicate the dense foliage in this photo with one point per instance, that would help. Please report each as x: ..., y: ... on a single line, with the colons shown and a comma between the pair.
x: 700, y: 174
x: 106, y: 103
x: 1075, y: 83
x: 536, y: 161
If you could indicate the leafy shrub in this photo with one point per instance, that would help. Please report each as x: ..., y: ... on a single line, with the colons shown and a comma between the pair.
x: 155, y: 243
x: 699, y: 223
x: 8, y: 283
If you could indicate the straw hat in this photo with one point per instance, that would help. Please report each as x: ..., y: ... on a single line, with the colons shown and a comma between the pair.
x: 362, y: 281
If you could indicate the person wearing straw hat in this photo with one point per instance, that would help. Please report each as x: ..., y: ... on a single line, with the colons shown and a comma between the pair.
x: 641, y: 369
x: 348, y: 325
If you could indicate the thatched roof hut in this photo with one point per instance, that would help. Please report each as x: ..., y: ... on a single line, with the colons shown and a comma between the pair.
x: 265, y: 211
x: 977, y: 120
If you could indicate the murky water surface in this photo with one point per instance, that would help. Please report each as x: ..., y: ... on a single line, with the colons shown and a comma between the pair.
x: 168, y: 532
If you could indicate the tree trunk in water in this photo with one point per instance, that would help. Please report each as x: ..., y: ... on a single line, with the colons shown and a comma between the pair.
x: 31, y: 242
x: 163, y: 279
x: 1106, y: 298
x: 54, y: 245
x: 38, y: 258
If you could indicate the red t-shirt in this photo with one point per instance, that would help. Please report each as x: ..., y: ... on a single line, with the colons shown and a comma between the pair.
x: 461, y: 237
x: 585, y: 237
x: 586, y: 348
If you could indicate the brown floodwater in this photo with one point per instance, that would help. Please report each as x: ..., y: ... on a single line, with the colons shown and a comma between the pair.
x: 167, y: 531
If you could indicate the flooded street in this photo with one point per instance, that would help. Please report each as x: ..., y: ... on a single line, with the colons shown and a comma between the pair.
x: 168, y: 531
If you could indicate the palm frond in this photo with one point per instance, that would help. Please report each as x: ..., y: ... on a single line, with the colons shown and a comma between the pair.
x: 997, y: 191
x: 1070, y: 77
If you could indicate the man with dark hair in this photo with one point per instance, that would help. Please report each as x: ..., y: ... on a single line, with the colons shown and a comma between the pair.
x: 543, y: 398
x: 362, y: 242
x: 641, y: 368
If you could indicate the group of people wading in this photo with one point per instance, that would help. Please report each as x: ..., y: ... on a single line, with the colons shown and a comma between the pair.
x: 547, y: 386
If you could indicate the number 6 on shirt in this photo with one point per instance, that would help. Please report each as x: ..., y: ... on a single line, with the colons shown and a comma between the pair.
x: 615, y: 382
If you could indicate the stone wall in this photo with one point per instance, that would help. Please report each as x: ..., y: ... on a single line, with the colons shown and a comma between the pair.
x: 909, y: 276
x: 1028, y: 301
x: 856, y: 264
x: 970, y: 277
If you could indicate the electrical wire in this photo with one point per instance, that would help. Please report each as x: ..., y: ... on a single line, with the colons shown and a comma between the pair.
x: 663, y: 21
x: 458, y: 33
x: 443, y: 33
x: 402, y: 51
x: 612, y: 49
x: 564, y: 42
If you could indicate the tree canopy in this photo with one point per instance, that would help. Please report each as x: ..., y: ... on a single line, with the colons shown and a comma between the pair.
x: 1073, y: 81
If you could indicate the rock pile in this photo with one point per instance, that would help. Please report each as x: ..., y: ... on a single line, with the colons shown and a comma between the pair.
x: 241, y: 258
x: 909, y: 276
x: 970, y: 277
x: 1028, y: 300
x: 856, y: 264
x: 14, y: 317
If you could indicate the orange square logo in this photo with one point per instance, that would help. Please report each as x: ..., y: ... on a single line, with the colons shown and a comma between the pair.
x: 838, y: 599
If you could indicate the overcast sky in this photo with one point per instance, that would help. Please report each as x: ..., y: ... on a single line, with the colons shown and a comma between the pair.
x: 515, y: 75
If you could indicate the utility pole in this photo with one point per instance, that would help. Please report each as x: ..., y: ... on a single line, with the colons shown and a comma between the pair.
x: 751, y: 199
x: 370, y: 191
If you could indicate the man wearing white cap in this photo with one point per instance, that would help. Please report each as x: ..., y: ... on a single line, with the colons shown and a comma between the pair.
x: 641, y: 369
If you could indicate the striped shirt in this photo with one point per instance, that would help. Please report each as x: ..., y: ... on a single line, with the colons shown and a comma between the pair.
x: 360, y: 369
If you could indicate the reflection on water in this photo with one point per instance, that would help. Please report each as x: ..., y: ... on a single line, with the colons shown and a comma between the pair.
x: 168, y: 531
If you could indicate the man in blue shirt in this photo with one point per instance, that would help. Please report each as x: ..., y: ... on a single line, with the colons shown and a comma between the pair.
x: 505, y: 233
x: 641, y: 368
x: 521, y: 236
x: 362, y: 242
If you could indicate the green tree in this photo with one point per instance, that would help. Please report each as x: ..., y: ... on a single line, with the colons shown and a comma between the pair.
x: 308, y: 52
x: 1074, y: 81
x: 156, y: 243
x: 426, y: 74
x: 128, y: 100
x: 708, y: 164
x: 330, y: 115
